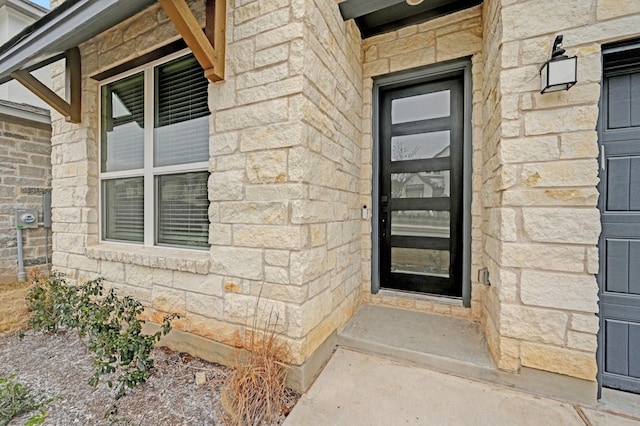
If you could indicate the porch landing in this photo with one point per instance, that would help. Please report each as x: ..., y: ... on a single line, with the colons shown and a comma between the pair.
x: 450, y: 345
x: 437, y: 341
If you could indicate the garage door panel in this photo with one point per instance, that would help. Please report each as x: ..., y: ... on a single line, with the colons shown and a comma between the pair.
x: 619, y: 277
x: 617, y: 347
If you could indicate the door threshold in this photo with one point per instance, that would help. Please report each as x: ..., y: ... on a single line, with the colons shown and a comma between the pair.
x: 453, y: 301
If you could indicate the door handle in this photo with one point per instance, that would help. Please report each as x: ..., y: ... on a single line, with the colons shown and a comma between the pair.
x: 383, y: 225
x: 384, y: 212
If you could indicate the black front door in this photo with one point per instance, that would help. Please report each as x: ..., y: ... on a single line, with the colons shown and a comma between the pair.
x: 420, y: 220
x: 619, y: 275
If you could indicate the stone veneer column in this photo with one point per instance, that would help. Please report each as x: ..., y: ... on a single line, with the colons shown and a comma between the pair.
x: 492, y: 184
x: 283, y: 186
x: 74, y: 156
x: 330, y: 165
x: 542, y: 222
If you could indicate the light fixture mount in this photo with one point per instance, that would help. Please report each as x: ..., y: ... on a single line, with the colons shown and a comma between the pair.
x: 414, y: 2
x: 560, y: 72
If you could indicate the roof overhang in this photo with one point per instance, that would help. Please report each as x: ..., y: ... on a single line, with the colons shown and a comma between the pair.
x: 25, y: 7
x: 22, y: 113
x: 380, y: 16
x: 58, y: 34
x: 64, y: 28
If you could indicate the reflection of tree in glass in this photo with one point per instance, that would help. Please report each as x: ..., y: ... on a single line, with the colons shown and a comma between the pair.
x: 438, y: 261
x: 436, y: 182
x: 400, y: 152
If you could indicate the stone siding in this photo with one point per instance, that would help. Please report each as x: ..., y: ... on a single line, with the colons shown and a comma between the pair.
x: 25, y: 174
x: 291, y: 167
x: 491, y: 171
x: 543, y: 222
x: 330, y: 167
x: 283, y: 187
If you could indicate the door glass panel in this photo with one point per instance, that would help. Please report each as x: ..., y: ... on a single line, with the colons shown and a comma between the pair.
x: 420, y: 261
x: 420, y: 185
x: 420, y: 223
x: 421, y: 107
x: 421, y: 146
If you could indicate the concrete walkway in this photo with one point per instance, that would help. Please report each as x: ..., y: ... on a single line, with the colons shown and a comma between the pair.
x: 361, y: 389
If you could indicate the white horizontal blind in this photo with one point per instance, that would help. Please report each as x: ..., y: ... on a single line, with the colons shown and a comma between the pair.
x: 182, y: 113
x: 181, y: 137
x: 123, y: 124
x: 182, y: 206
x: 123, y: 209
x: 154, y: 180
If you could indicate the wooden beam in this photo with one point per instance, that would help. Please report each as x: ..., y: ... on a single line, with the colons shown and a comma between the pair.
x: 210, y: 17
x: 71, y: 109
x: 211, y: 59
x: 219, y: 23
x: 73, y: 85
x: 42, y: 91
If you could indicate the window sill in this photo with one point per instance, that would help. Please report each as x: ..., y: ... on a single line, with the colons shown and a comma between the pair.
x: 185, y: 260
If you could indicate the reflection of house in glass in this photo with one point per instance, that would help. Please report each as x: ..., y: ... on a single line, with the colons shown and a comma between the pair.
x: 421, y: 223
x: 422, y: 184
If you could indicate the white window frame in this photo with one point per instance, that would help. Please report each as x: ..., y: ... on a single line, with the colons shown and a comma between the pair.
x: 148, y: 172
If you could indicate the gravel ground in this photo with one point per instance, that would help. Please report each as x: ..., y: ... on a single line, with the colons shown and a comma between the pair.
x: 59, y: 366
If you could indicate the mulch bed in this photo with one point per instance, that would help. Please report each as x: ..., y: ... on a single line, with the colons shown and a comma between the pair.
x: 59, y: 366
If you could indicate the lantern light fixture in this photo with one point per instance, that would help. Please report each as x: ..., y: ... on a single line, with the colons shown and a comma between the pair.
x: 560, y: 72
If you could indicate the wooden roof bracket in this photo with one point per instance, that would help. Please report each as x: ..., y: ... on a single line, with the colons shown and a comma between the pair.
x: 70, y: 108
x: 209, y: 46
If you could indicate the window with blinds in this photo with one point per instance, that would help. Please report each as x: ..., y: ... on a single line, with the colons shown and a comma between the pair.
x: 123, y: 124
x: 123, y: 200
x: 182, y: 113
x: 183, y: 209
x: 175, y: 180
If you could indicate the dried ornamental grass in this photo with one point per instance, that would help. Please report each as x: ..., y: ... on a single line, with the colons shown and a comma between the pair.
x: 255, y: 393
x: 13, y: 307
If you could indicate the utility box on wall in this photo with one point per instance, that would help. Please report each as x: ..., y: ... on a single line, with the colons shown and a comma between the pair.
x: 26, y: 218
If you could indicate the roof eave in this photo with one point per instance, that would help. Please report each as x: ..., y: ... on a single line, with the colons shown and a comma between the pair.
x: 74, y: 23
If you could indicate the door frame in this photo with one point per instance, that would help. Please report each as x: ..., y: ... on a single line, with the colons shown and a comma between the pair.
x: 422, y: 75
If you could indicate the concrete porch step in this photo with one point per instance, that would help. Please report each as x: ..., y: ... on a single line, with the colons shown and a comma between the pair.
x: 450, y: 345
x: 436, y: 341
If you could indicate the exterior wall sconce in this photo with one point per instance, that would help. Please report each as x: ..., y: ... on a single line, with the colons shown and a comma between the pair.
x: 560, y: 72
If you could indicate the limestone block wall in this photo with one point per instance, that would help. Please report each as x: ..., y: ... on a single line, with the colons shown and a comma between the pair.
x: 455, y: 36
x: 491, y: 182
x: 542, y: 238
x: 283, y: 187
x: 329, y: 165
x: 25, y: 174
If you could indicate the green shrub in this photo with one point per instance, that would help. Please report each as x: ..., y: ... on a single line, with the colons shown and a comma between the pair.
x: 17, y: 399
x: 111, y: 325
